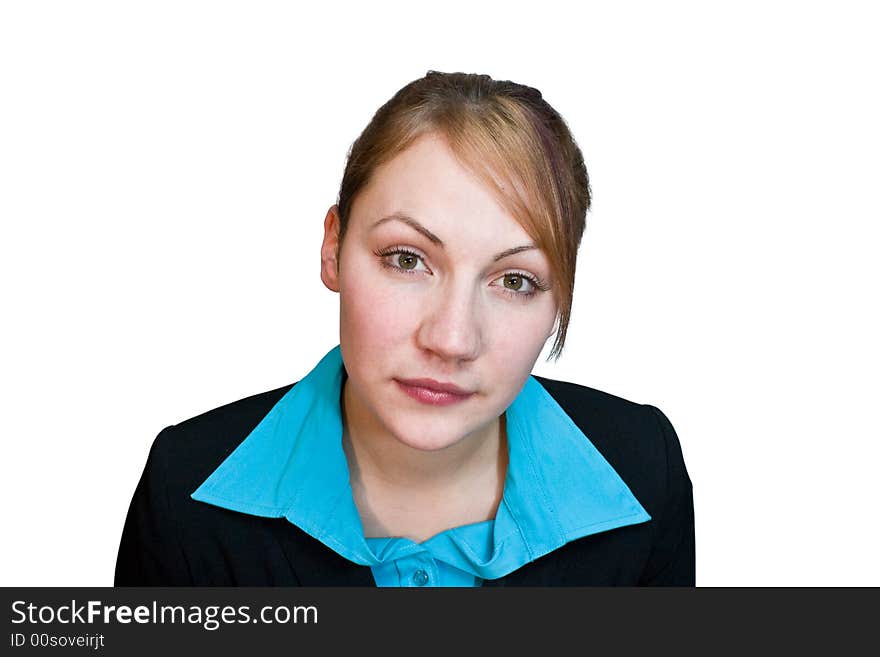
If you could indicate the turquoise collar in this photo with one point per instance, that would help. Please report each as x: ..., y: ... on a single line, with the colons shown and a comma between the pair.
x: 558, y: 486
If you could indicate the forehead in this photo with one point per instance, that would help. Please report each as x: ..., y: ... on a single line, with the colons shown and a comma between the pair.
x: 428, y: 182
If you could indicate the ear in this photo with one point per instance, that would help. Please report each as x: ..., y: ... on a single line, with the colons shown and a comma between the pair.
x: 330, y: 250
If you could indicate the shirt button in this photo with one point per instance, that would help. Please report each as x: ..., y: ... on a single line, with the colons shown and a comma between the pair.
x: 420, y: 577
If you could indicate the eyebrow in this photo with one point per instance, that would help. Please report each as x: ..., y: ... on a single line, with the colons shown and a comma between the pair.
x: 412, y: 223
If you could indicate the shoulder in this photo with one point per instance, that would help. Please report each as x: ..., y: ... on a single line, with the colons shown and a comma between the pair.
x: 636, y: 439
x: 639, y: 442
x: 190, y: 450
x: 169, y: 538
x: 603, y: 416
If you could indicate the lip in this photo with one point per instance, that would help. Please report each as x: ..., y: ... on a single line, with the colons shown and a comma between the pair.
x: 429, y: 391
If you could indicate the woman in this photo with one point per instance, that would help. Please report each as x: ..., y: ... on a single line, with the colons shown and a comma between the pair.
x: 420, y: 451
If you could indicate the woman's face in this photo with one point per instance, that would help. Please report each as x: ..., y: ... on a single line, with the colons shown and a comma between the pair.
x: 446, y: 309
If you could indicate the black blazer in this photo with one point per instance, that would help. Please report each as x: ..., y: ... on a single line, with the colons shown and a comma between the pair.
x: 170, y: 539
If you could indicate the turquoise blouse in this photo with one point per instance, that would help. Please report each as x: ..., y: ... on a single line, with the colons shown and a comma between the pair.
x: 558, y: 488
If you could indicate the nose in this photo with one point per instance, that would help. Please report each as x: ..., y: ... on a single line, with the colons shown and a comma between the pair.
x: 451, y: 326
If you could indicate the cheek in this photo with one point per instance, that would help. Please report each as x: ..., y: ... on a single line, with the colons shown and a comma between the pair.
x: 369, y: 311
x: 517, y: 341
x: 513, y: 354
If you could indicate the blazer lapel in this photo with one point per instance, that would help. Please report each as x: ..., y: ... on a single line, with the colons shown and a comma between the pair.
x: 315, y: 564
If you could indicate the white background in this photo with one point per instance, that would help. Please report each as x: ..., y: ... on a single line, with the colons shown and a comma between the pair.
x: 165, y: 168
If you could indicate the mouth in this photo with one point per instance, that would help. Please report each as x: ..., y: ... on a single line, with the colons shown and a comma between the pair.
x: 428, y: 391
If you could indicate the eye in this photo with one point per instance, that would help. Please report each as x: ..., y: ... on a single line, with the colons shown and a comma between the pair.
x: 404, y: 261
x: 513, y: 284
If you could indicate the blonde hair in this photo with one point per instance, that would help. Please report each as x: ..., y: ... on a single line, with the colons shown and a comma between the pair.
x: 511, y: 139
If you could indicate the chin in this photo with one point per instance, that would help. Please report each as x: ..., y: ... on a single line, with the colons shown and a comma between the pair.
x: 427, y: 443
